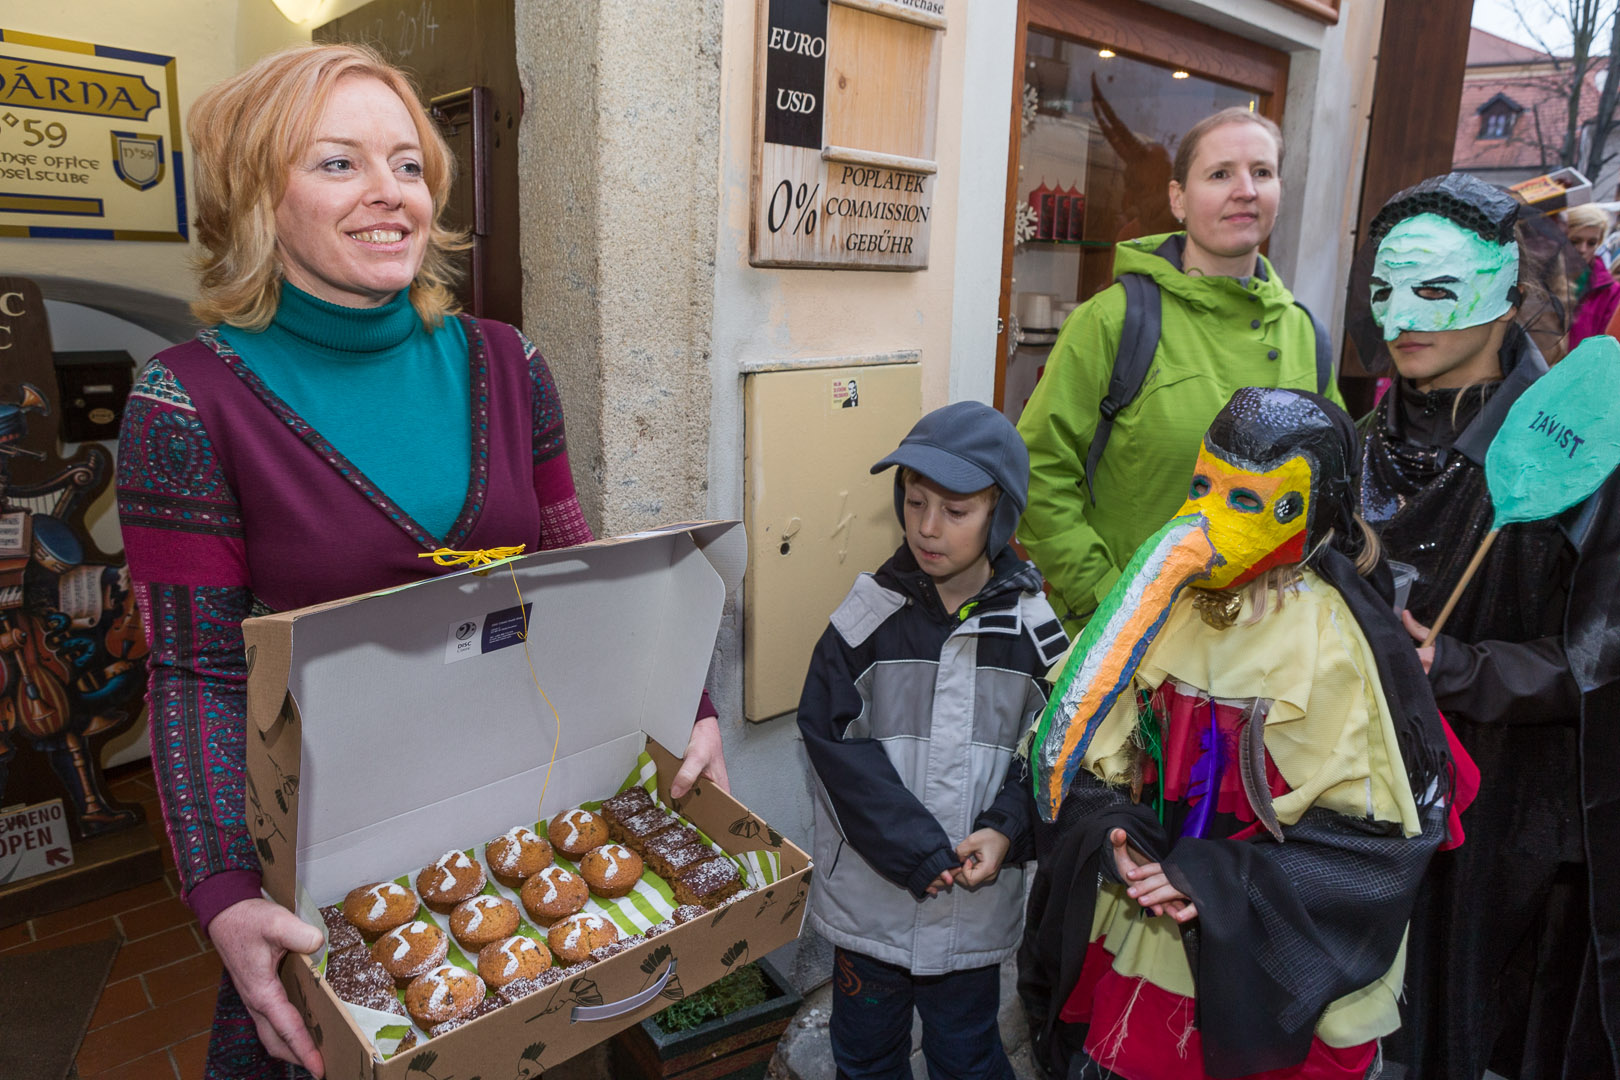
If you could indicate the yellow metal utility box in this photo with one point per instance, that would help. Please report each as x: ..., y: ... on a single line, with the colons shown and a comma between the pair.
x: 815, y: 516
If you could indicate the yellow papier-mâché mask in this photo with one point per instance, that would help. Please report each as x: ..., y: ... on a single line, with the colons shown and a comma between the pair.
x: 1257, y: 520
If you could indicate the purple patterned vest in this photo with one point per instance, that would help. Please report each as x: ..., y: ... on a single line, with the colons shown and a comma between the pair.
x: 315, y: 528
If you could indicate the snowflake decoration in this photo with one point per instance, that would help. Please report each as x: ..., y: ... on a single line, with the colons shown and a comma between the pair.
x: 1024, y: 226
x: 1032, y: 102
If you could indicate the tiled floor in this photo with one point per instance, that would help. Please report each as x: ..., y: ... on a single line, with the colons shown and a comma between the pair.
x: 152, y: 1022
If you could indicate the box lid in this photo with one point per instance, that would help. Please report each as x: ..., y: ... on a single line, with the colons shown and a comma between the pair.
x: 415, y: 718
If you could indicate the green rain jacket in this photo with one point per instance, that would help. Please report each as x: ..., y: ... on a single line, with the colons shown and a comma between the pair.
x: 1217, y: 338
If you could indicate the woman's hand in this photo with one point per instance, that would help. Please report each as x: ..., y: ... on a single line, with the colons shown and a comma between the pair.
x: 704, y: 755
x: 251, y: 937
x: 946, y: 879
x: 1420, y: 634
x: 1149, y: 886
x: 981, y: 854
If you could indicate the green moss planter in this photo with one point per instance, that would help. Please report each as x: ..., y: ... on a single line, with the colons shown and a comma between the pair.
x: 735, y: 1047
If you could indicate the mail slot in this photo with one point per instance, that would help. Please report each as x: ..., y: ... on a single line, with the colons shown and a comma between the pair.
x: 94, y: 386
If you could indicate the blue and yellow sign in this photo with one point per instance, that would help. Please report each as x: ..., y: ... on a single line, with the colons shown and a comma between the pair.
x: 89, y: 141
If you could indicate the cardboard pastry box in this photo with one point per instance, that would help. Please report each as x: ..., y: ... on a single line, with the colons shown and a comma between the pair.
x: 389, y: 728
x: 1555, y: 191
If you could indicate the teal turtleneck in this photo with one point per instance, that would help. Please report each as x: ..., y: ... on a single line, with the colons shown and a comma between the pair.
x: 390, y: 395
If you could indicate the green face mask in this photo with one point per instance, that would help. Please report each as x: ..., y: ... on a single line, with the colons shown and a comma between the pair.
x: 1433, y: 274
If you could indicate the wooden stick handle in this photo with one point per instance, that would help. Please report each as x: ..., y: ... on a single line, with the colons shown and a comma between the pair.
x: 1462, y: 583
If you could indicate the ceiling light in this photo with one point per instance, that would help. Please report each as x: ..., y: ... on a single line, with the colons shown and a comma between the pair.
x: 1106, y: 54
x: 298, y: 12
x: 1180, y: 75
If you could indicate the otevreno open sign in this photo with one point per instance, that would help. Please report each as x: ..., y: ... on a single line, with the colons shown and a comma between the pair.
x: 844, y: 164
x: 34, y: 840
x: 89, y: 141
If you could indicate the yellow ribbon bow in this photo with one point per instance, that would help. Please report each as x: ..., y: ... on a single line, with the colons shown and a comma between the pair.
x: 474, y: 559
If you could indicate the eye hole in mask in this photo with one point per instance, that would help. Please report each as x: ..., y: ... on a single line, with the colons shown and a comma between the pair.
x: 1200, y: 487
x: 1245, y: 501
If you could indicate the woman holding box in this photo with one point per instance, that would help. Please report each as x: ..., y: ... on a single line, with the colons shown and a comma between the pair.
x: 337, y: 420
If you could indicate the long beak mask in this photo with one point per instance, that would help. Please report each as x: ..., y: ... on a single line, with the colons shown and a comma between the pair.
x: 1255, y: 519
x: 1254, y: 503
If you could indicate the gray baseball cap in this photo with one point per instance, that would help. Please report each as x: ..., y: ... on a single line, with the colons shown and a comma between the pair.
x: 966, y: 447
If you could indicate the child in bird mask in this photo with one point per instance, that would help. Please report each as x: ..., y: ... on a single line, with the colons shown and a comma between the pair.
x: 1247, y: 776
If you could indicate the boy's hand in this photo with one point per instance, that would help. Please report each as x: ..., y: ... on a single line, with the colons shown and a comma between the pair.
x: 945, y: 880
x: 1147, y: 882
x: 981, y: 854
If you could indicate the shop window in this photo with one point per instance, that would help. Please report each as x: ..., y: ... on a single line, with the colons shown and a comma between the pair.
x: 1108, y: 90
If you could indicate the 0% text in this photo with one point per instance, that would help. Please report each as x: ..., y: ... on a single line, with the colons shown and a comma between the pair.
x: 785, y: 200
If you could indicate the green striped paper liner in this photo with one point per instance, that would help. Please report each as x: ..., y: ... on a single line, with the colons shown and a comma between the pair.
x: 649, y: 903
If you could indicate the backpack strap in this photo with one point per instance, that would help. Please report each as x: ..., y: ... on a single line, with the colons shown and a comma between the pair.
x: 1138, y: 341
x: 1324, y: 351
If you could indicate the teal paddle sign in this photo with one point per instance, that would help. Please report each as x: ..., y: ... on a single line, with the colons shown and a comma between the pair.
x: 1558, y: 444
x: 1560, y: 440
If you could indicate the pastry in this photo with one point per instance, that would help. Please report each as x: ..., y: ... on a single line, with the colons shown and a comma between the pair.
x: 611, y: 870
x: 340, y: 932
x: 358, y: 979
x: 500, y: 962
x: 522, y: 988
x: 448, y: 880
x: 408, y: 1042
x: 411, y: 950
x: 574, y: 938
x: 483, y: 919
x: 625, y: 805
x: 574, y: 832
x: 674, y: 850
x: 443, y: 994
x: 553, y: 893
x: 516, y: 855
x: 707, y: 883
x: 645, y: 825
x: 687, y: 912
x: 659, y: 928
x: 377, y: 908
x: 483, y: 1008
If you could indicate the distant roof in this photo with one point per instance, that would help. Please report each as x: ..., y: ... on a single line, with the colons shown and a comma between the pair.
x: 1487, y: 48
x: 1540, y: 96
x: 1500, y: 99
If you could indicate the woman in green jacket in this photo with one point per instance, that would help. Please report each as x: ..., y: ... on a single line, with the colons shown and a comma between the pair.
x: 1227, y: 322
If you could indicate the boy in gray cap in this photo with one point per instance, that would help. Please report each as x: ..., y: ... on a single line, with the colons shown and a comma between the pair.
x: 916, y: 699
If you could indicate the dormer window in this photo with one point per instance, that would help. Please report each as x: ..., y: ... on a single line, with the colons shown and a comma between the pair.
x: 1498, y: 116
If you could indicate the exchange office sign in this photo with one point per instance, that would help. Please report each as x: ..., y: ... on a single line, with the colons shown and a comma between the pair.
x: 844, y: 165
x: 89, y: 141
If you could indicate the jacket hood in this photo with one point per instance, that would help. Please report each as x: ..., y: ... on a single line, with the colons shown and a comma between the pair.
x: 1009, y: 577
x: 1159, y: 257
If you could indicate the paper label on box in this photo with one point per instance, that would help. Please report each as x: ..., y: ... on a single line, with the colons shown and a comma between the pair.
x: 486, y: 633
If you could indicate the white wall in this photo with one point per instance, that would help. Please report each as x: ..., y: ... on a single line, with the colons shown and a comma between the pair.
x: 946, y: 313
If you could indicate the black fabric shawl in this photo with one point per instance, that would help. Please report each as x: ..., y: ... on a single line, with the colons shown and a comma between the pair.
x: 1284, y: 929
x: 1592, y: 643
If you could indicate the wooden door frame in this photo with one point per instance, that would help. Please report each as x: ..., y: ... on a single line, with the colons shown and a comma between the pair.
x: 1141, y: 32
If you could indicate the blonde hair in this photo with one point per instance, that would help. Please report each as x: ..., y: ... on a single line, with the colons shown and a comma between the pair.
x: 245, y: 133
x: 1236, y: 114
x: 1279, y: 579
x: 1588, y: 216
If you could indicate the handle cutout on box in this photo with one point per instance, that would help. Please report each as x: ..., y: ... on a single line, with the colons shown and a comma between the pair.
x: 626, y: 1005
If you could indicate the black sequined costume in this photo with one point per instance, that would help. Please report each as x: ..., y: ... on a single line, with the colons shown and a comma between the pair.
x: 1502, y: 959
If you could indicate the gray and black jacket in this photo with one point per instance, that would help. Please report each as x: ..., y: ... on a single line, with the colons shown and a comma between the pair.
x: 910, y: 717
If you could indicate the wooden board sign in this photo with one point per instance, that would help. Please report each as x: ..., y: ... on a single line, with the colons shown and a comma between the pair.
x: 845, y: 105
